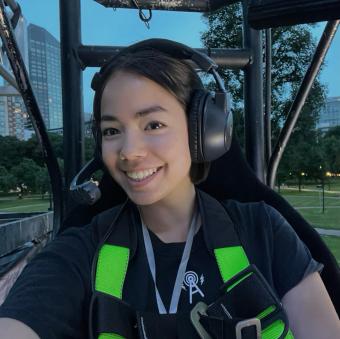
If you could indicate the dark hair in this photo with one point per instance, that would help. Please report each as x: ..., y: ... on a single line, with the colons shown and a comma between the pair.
x: 176, y: 76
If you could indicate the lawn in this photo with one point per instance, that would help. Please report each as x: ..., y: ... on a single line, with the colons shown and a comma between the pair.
x: 333, y: 244
x: 309, y: 203
x: 27, y: 204
x: 330, y: 219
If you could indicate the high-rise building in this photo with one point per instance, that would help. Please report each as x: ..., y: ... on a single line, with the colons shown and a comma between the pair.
x: 12, y: 109
x: 330, y: 114
x: 12, y: 113
x: 45, y: 74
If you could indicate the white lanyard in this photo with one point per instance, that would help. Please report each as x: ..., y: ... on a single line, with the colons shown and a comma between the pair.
x: 181, y: 269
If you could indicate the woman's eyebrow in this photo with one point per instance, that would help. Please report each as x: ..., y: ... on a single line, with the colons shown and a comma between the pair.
x: 142, y: 113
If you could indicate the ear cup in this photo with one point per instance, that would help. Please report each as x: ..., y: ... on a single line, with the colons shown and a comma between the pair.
x: 210, y: 128
x: 217, y: 126
x: 195, y: 124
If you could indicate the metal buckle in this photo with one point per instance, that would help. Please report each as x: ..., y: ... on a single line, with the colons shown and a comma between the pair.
x: 247, y: 323
x: 199, y: 309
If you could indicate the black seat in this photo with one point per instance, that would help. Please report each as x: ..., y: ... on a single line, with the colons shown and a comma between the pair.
x: 230, y: 177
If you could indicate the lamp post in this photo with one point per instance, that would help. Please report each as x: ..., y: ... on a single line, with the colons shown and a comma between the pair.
x: 323, y: 190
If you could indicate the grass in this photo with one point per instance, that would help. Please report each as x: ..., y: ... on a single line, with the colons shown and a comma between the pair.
x: 309, y: 204
x: 330, y: 219
x: 333, y: 243
x: 27, y: 204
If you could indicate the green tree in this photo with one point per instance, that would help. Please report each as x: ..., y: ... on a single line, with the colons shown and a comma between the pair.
x: 43, y: 181
x: 89, y: 148
x: 26, y: 174
x: 33, y: 150
x: 12, y: 150
x: 330, y: 144
x: 292, y: 51
x: 7, y: 180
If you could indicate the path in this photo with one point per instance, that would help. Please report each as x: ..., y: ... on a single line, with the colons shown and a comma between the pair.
x: 324, y: 231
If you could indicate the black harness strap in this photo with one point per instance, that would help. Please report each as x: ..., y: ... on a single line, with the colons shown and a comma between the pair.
x: 112, y: 315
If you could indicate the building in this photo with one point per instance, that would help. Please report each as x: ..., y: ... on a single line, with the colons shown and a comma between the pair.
x: 12, y: 113
x: 45, y: 74
x: 330, y: 115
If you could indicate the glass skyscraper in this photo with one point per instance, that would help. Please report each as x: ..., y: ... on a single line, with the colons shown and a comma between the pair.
x: 45, y: 74
x: 330, y: 115
x: 12, y: 109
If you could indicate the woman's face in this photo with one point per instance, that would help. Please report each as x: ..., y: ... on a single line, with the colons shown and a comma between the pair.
x: 145, y: 142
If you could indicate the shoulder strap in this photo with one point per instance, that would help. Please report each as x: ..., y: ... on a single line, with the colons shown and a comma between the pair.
x: 112, y: 258
x: 231, y: 261
x: 111, y: 270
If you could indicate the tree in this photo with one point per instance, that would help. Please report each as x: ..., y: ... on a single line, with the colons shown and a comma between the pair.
x: 26, y: 174
x: 11, y: 150
x: 292, y: 52
x: 33, y: 150
x: 7, y: 180
x: 43, y: 181
x: 330, y: 144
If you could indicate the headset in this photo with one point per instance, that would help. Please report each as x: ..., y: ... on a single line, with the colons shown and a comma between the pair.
x: 210, y: 121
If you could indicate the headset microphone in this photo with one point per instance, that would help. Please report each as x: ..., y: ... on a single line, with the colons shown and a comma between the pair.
x: 86, y: 193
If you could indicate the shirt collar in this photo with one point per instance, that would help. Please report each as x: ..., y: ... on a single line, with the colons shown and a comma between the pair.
x: 218, y: 228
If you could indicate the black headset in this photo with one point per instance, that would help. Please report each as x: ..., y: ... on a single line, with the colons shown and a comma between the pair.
x: 210, y: 120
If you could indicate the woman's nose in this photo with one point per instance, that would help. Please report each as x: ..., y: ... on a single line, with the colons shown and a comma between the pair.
x: 133, y: 147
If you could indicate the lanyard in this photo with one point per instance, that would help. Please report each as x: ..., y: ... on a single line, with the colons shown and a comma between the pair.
x: 181, y: 269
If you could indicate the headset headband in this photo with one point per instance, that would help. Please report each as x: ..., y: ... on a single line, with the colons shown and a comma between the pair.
x: 169, y: 47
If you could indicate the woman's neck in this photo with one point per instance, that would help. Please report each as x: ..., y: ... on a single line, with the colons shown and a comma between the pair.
x: 170, y: 218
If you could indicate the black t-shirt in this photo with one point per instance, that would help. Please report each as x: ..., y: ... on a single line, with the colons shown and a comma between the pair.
x: 52, y: 294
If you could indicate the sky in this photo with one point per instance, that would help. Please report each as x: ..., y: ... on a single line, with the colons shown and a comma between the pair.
x: 121, y: 27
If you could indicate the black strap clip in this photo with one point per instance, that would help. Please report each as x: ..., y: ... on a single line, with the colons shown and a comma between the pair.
x: 247, y: 305
x: 241, y: 325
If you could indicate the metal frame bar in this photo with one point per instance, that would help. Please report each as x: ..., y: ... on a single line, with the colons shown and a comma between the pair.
x: 268, y: 97
x: 96, y: 56
x: 169, y: 5
x: 72, y: 93
x: 301, y: 96
x: 13, y: 5
x: 26, y: 91
x: 253, y: 98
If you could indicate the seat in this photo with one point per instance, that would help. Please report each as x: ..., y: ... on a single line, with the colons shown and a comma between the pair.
x: 230, y: 177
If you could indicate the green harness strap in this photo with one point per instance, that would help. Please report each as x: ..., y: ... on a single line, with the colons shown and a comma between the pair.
x: 113, y: 262
x: 111, y: 270
x: 231, y: 261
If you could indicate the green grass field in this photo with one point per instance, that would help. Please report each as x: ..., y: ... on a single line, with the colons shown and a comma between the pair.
x: 307, y: 202
x: 27, y: 204
x: 333, y: 244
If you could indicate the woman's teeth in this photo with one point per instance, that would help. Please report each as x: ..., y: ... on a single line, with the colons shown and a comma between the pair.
x: 142, y: 174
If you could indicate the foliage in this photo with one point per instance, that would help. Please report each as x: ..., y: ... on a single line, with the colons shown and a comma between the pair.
x: 292, y: 51
x: 7, y: 180
x: 22, y: 166
x: 11, y: 150
x: 26, y: 174
x: 331, y: 149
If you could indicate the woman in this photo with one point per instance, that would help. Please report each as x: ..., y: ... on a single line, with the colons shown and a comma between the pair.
x: 167, y: 233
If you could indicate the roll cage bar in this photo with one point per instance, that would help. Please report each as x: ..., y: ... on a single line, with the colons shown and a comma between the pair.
x: 75, y: 57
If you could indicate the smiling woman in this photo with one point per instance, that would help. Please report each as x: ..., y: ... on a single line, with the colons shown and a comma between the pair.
x: 171, y: 262
x: 145, y: 146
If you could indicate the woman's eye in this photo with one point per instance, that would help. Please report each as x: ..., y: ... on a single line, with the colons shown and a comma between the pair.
x: 110, y: 132
x: 154, y: 125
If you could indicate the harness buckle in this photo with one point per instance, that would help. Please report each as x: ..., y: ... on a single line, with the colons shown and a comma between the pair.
x: 195, y: 314
x: 248, y: 323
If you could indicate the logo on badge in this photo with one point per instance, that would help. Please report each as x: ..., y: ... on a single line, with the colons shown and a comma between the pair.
x: 191, y: 281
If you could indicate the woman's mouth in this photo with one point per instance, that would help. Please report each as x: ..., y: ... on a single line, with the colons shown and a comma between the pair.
x: 142, y: 177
